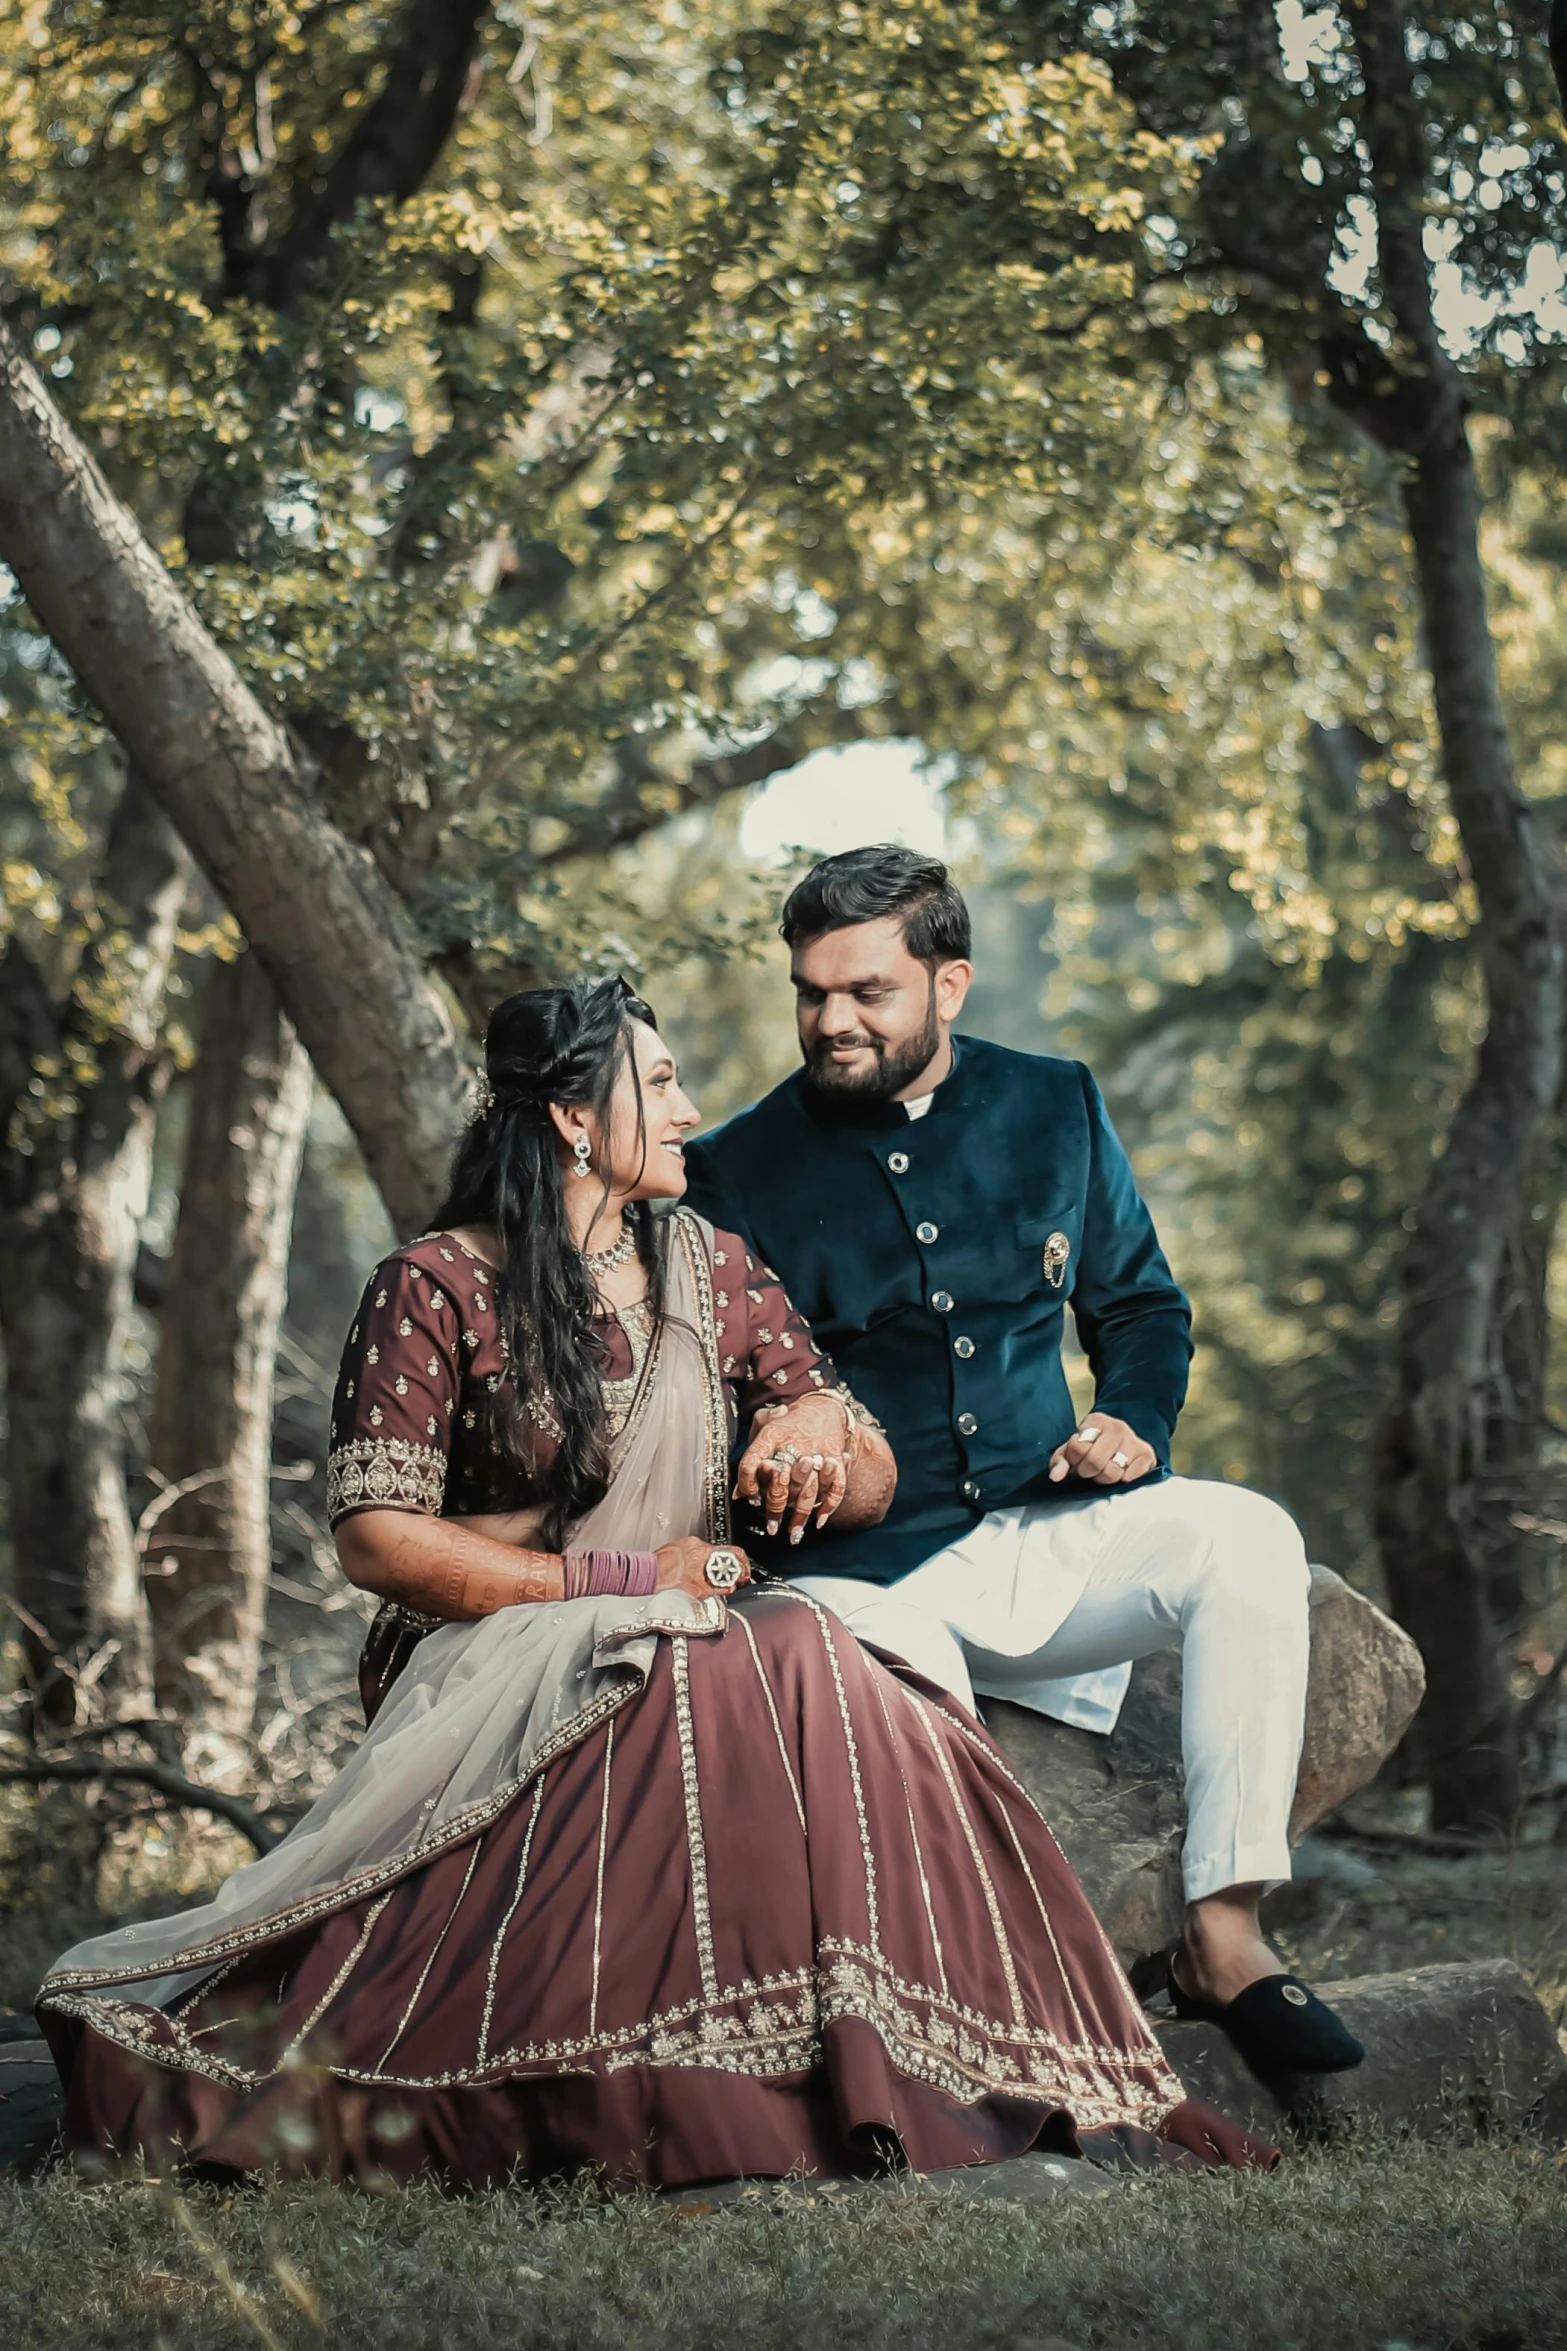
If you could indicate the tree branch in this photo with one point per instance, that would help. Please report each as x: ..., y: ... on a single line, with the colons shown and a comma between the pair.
x: 389, y: 153
x: 629, y: 812
x: 171, y: 1785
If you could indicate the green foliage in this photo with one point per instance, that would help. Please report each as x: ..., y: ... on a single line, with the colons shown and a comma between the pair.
x: 599, y: 452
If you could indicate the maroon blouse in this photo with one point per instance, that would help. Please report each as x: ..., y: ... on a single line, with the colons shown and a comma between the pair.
x: 425, y: 1353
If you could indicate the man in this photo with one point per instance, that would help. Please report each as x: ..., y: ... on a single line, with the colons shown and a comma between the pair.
x: 933, y: 1204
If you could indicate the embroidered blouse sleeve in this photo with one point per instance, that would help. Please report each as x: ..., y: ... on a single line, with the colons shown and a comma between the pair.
x: 396, y: 1396
x: 764, y: 1345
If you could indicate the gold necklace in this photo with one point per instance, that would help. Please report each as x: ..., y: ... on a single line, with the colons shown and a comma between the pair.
x: 619, y: 1253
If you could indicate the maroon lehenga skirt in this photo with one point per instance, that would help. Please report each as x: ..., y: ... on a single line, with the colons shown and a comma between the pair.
x: 787, y: 1910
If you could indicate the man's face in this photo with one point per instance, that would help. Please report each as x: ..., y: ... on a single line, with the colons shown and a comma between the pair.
x: 872, y: 1018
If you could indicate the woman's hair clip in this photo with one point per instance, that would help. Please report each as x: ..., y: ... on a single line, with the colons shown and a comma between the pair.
x: 483, y: 1095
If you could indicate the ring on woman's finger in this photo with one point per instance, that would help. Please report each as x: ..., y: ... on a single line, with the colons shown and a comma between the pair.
x: 1122, y: 1460
x: 1089, y: 1435
x: 724, y: 1569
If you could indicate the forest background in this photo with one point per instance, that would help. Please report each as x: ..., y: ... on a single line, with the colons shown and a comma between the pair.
x: 453, y: 457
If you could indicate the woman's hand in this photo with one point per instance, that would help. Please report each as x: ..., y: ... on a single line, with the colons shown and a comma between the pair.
x: 682, y: 1565
x: 797, y: 1462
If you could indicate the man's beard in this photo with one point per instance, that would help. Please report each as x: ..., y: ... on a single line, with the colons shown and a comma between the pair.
x: 891, y: 1069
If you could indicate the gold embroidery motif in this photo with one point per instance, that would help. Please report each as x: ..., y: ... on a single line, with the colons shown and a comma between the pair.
x: 539, y: 1406
x: 620, y: 1395
x: 695, y: 1239
x: 696, y: 1847
x: 384, y: 1473
x: 435, y: 1953
x: 598, y: 1889
x: 879, y: 1677
x: 992, y: 1906
x: 866, y: 1854
x: 738, y: 1617
x: 511, y: 1912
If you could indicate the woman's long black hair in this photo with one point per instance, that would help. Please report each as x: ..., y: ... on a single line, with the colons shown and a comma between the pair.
x: 565, y: 1045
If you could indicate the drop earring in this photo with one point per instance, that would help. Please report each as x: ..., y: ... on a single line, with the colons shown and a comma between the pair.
x: 582, y: 1156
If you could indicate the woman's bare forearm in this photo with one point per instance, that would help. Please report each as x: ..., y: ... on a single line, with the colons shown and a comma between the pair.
x: 872, y: 1481
x: 441, y: 1568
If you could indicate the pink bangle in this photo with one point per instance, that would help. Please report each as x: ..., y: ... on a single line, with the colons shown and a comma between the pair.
x: 633, y: 1574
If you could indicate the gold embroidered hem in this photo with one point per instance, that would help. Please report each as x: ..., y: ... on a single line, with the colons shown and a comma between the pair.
x: 769, y: 2029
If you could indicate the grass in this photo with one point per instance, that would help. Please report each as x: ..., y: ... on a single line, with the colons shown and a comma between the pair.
x: 1363, y: 2249
x: 1360, y: 2248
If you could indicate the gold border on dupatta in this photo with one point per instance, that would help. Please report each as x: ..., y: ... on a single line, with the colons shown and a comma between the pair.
x: 696, y: 1239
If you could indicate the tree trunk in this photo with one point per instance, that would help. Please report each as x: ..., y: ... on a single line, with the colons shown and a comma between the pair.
x: 211, y: 1554
x: 1437, y: 1493
x: 319, y: 916
x: 71, y: 1207
x: 1433, y: 1473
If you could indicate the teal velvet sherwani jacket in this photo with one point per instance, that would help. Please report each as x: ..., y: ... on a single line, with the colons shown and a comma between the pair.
x: 934, y: 1259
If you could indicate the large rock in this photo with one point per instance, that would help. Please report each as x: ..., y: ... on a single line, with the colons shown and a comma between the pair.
x: 31, y: 2106
x: 1454, y: 2051
x: 1116, y: 1803
x: 1366, y: 1681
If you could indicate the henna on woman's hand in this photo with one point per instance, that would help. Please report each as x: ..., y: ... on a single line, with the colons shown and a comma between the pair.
x: 443, y: 1569
x: 799, y: 1460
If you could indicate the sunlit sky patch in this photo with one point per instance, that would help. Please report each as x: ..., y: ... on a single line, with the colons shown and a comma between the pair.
x: 843, y: 799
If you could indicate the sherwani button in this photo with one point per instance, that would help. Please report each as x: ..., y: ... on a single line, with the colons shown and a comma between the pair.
x: 970, y: 1489
x: 942, y: 1301
x: 963, y: 1347
x: 967, y: 1424
x: 927, y: 1232
x: 898, y: 1161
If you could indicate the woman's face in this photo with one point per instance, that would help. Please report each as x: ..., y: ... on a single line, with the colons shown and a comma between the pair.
x: 647, y: 1164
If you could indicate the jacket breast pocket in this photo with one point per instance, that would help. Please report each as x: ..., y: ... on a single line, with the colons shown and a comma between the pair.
x: 1047, y: 1245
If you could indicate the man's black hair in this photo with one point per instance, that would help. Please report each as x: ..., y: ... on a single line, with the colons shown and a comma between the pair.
x: 862, y: 885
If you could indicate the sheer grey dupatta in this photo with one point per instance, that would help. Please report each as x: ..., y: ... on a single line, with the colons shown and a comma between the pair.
x: 479, y: 1708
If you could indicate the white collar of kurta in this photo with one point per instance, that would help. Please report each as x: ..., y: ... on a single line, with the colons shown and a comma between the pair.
x: 921, y: 1103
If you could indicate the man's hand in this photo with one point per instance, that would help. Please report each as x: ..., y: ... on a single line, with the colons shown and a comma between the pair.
x: 1105, y: 1452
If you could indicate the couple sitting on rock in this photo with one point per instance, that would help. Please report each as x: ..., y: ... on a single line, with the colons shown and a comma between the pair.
x: 683, y: 1854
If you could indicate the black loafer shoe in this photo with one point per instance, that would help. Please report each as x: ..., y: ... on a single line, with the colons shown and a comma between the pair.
x: 1279, y: 2026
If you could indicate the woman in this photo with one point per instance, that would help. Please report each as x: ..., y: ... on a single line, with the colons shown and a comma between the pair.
x: 628, y: 1872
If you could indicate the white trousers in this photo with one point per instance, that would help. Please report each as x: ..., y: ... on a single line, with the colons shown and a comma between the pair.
x: 1048, y: 1605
